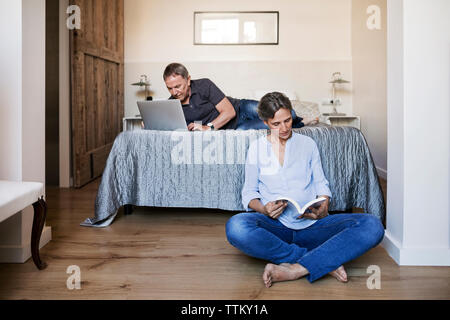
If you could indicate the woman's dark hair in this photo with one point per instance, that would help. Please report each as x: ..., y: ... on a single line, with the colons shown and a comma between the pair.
x: 271, y: 103
x: 177, y: 69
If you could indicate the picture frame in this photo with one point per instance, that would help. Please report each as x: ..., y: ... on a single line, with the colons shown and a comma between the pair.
x: 236, y: 27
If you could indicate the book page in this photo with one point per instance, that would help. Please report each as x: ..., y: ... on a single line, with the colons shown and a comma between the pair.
x: 296, y: 205
x: 315, y: 203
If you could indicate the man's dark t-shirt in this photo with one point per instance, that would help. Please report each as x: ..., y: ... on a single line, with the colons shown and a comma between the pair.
x: 205, y: 95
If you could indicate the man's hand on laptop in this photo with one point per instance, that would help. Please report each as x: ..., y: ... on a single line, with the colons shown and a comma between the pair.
x: 198, y: 127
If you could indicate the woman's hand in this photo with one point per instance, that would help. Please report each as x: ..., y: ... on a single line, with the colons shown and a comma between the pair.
x: 318, y: 213
x: 274, y: 209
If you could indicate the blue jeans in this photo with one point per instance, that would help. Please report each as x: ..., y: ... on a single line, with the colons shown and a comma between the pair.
x: 320, y: 248
x: 249, y: 119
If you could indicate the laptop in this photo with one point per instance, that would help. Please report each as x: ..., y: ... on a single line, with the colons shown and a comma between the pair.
x: 164, y: 115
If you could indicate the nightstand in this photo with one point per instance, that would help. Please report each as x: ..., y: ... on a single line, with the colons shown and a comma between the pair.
x: 132, y: 123
x: 345, y: 121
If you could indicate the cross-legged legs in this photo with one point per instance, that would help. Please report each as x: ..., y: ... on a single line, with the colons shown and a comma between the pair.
x: 315, y: 251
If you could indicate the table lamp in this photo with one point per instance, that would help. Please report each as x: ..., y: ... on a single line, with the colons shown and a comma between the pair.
x: 143, y: 82
x: 337, y: 79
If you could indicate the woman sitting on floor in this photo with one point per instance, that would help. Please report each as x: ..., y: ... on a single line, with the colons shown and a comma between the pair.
x: 287, y: 164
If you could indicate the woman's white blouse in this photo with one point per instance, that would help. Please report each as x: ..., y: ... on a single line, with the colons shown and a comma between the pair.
x: 301, y: 177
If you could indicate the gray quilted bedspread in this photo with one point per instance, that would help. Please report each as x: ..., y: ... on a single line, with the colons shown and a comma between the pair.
x: 206, y: 170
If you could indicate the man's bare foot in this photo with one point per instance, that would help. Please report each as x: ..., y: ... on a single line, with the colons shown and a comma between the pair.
x: 340, y: 274
x: 283, y: 272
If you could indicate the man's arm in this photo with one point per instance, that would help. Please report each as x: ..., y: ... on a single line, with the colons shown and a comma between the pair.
x: 226, y: 111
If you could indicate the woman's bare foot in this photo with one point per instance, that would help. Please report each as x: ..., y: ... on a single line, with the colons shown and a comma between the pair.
x: 283, y: 272
x: 340, y: 274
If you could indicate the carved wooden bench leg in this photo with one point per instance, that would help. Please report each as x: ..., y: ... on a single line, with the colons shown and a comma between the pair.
x: 127, y: 209
x: 40, y: 213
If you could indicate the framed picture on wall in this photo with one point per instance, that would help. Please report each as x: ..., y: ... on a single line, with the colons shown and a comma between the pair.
x: 236, y: 28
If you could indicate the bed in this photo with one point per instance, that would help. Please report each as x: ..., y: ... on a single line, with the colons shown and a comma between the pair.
x: 206, y: 170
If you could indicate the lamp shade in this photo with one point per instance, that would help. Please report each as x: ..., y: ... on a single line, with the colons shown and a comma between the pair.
x: 339, y: 81
x: 337, y: 78
x: 141, y: 83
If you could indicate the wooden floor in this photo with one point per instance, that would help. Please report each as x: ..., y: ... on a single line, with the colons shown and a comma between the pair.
x: 183, y: 254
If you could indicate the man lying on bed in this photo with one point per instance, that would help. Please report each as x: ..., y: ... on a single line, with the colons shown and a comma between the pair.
x: 203, y: 102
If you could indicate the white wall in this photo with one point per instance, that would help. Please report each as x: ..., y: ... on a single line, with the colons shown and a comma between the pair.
x: 33, y: 90
x: 418, y: 112
x: 395, y: 124
x: 22, y: 118
x: 315, y: 41
x: 10, y: 89
x: 369, y: 79
x: 427, y: 56
x: 10, y: 112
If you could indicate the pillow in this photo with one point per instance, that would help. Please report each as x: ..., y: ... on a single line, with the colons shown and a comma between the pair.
x: 309, y: 111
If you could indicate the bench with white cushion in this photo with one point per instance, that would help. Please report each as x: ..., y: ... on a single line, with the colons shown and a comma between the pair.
x: 16, y: 196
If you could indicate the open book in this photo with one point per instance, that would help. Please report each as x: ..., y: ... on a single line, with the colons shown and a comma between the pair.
x: 313, y: 203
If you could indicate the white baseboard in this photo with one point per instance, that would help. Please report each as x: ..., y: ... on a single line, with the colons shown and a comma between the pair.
x: 382, y: 173
x: 20, y: 254
x: 438, y: 257
x: 392, y: 246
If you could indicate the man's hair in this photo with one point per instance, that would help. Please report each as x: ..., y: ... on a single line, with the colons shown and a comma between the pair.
x: 176, y: 69
x: 271, y: 103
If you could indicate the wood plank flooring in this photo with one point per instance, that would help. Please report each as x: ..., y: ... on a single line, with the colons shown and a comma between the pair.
x: 160, y: 253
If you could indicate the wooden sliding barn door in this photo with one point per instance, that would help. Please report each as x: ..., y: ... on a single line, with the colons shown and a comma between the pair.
x: 97, y: 86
